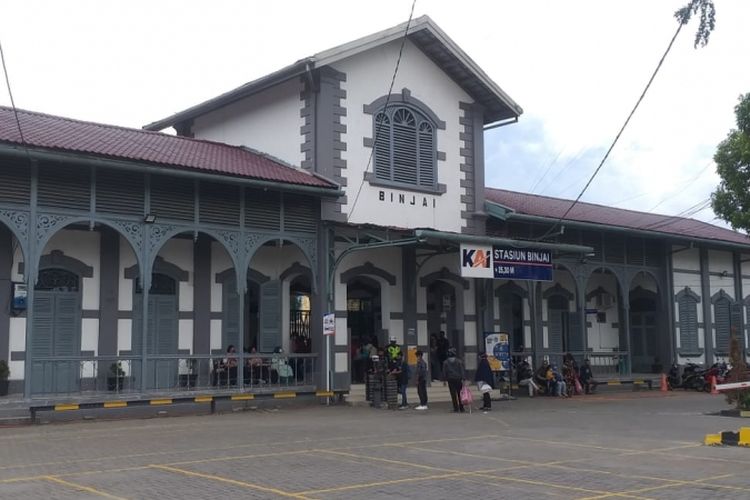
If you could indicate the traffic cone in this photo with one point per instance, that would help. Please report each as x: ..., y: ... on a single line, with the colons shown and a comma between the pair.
x: 713, y: 385
x: 664, y: 387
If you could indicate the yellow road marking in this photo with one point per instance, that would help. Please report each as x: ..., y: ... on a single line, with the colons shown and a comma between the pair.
x: 386, y: 460
x: 501, y: 421
x: 327, y: 394
x: 285, y: 395
x: 386, y: 483
x: 81, y: 487
x: 157, y: 402
x: 203, y: 399
x: 242, y: 397
x: 673, y: 485
x: 229, y: 481
x: 115, y: 404
x: 66, y: 407
x: 258, y: 455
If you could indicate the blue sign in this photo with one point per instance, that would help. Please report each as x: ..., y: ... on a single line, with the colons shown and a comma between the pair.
x: 522, y: 263
x: 497, y: 347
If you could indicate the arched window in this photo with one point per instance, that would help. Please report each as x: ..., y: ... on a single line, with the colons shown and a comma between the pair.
x: 405, y: 147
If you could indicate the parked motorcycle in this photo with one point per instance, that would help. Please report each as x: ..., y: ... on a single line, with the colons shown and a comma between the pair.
x: 718, y: 370
x: 693, y: 377
x: 674, y: 380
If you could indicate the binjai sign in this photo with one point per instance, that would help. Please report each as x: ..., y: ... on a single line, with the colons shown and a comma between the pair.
x: 512, y: 263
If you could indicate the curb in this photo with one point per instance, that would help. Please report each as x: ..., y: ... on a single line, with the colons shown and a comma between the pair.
x: 729, y: 438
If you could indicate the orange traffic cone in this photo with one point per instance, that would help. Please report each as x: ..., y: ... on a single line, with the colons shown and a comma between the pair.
x: 714, y: 391
x: 664, y: 387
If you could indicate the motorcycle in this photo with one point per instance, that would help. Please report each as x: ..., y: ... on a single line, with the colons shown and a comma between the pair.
x: 674, y: 380
x: 718, y: 370
x: 693, y: 377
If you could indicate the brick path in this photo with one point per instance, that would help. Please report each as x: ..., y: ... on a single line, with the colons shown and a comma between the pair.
x: 630, y: 445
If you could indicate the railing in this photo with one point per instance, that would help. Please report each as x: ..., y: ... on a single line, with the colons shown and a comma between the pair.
x: 603, y: 364
x: 170, y: 373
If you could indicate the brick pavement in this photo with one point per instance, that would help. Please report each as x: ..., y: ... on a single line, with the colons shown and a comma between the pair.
x: 609, y: 446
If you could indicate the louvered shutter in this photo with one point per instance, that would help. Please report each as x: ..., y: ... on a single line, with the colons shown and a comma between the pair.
x: 382, y: 147
x: 301, y: 213
x: 230, y: 332
x: 43, y: 323
x: 736, y: 323
x: 270, y: 316
x: 722, y: 324
x: 263, y: 209
x: 404, y: 147
x: 575, y: 333
x: 556, y: 307
x: 67, y: 320
x: 165, y: 307
x: 688, y: 312
x: 426, y: 155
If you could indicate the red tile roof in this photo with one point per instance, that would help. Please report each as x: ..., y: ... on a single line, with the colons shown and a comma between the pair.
x: 64, y: 134
x: 545, y: 206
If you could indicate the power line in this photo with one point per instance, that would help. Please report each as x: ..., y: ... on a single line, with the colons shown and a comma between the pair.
x: 12, y: 101
x: 617, y: 137
x: 380, y: 123
x: 546, y: 171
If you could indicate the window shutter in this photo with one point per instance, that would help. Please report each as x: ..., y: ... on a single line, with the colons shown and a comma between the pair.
x: 736, y: 324
x: 166, y: 324
x: 230, y: 334
x: 688, y: 312
x: 404, y: 147
x: 263, y: 209
x: 270, y: 316
x: 722, y: 319
x: 426, y: 155
x: 556, y: 307
x: 301, y: 213
x: 43, y: 321
x: 67, y: 318
x: 382, y: 137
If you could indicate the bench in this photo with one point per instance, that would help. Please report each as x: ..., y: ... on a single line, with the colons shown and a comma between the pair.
x: 210, y: 399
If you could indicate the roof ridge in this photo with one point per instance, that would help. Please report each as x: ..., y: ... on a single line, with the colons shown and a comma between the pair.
x: 640, y: 212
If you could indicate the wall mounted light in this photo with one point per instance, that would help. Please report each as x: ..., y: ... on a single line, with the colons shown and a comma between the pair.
x: 149, y: 219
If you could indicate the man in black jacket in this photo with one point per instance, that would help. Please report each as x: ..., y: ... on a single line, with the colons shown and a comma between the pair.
x: 453, y: 373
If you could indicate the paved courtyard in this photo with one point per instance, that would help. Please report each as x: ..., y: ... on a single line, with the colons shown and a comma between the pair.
x: 617, y: 445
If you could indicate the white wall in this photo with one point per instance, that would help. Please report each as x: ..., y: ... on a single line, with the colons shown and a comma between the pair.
x: 268, y: 121
x: 368, y: 77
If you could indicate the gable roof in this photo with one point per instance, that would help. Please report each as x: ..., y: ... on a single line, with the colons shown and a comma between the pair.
x: 552, y: 208
x: 423, y: 32
x: 74, y: 136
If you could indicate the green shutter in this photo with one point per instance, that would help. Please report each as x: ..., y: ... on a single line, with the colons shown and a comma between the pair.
x: 688, y: 313
x: 230, y: 331
x: 556, y: 308
x: 42, y: 323
x: 270, y: 316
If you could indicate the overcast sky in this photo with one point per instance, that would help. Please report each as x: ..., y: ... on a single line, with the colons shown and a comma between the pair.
x: 576, y: 68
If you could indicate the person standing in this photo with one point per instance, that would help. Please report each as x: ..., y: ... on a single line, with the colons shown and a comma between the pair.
x: 421, y: 381
x: 485, y: 380
x: 443, y: 345
x: 453, y: 374
x: 393, y: 350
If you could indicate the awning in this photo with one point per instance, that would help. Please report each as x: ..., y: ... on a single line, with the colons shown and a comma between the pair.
x: 423, y: 235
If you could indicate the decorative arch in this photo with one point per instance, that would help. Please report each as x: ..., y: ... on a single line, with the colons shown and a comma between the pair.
x: 160, y: 266
x: 229, y: 274
x: 296, y: 269
x: 687, y: 292
x: 444, y: 275
x: 58, y: 260
x: 722, y: 295
x: 17, y: 223
x: 404, y: 99
x: 558, y: 289
x: 368, y: 269
x: 511, y: 288
x: 648, y: 273
x: 642, y: 293
x: 307, y: 246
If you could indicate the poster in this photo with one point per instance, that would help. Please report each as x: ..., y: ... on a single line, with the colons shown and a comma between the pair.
x: 497, y: 347
x: 329, y: 324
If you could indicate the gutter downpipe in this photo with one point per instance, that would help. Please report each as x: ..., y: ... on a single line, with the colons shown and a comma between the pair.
x: 424, y: 234
x: 642, y: 232
x: 167, y: 170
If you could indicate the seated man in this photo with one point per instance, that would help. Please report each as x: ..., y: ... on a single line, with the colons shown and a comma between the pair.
x: 525, y: 377
x: 540, y: 377
x: 587, y: 377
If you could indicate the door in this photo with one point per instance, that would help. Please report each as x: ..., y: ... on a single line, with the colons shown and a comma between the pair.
x: 643, y: 334
x: 558, y: 328
x: 270, y: 316
x: 56, y: 332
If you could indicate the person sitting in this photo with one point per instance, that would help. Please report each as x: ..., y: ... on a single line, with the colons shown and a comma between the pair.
x: 558, y: 381
x: 255, y: 365
x: 525, y: 377
x: 280, y: 366
x: 587, y: 377
x: 227, y: 370
x: 540, y: 376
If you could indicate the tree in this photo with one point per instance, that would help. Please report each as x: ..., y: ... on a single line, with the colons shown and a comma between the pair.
x: 707, y: 20
x: 740, y: 397
x: 731, y: 200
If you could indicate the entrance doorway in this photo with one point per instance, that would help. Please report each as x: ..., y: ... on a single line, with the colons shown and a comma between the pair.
x: 643, y: 331
x: 511, y: 319
x: 56, y: 331
x: 364, y: 321
x: 299, y: 314
x: 558, y: 317
x: 441, y: 311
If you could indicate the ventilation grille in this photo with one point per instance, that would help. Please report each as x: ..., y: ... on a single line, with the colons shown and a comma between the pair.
x: 635, y: 252
x: 614, y: 249
x: 263, y: 210
x: 220, y: 204
x: 62, y: 186
x: 15, y: 182
x: 594, y: 240
x: 653, y: 253
x: 300, y: 213
x: 119, y: 192
x: 172, y: 198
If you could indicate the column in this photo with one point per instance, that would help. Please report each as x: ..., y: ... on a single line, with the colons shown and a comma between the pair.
x: 6, y: 264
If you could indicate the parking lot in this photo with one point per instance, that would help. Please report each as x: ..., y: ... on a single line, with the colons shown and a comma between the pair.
x: 618, y: 445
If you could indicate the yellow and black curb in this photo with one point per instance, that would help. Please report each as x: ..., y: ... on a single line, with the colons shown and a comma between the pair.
x: 167, y: 401
x: 729, y: 438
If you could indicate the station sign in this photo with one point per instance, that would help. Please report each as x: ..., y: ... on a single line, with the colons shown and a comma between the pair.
x: 506, y: 262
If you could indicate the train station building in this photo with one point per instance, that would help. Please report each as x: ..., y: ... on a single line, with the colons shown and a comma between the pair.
x: 312, y: 190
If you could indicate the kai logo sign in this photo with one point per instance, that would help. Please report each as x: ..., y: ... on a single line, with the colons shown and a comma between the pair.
x: 476, y: 261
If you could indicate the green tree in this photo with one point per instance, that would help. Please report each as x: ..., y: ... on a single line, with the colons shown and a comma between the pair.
x: 731, y: 200
x: 707, y: 18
